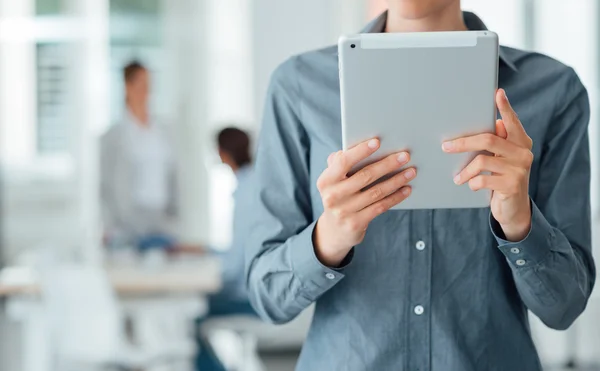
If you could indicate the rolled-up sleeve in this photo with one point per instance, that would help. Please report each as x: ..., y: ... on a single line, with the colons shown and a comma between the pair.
x: 283, y: 274
x: 553, y: 266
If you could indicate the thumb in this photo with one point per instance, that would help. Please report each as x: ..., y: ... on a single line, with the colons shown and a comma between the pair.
x: 511, y: 121
x: 501, y: 129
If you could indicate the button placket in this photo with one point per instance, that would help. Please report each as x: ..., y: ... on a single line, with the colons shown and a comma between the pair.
x: 419, y: 310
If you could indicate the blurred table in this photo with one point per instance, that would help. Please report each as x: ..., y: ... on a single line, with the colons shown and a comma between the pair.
x: 146, y: 290
x: 199, y: 275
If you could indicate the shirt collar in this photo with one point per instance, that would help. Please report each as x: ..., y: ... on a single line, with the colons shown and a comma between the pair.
x: 473, y: 23
x: 132, y: 121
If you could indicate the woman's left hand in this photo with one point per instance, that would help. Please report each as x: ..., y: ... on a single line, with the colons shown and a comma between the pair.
x: 509, y: 165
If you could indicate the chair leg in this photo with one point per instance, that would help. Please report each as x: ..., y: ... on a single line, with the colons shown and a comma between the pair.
x: 572, y: 345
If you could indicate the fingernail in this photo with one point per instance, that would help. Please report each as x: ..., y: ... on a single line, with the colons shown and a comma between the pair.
x: 402, y: 158
x: 406, y: 191
x: 457, y: 179
x: 447, y: 146
x: 409, y: 174
x: 504, y: 92
x: 373, y: 143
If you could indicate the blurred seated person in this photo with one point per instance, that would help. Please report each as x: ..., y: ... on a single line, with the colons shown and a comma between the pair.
x: 234, y: 151
x: 138, y: 173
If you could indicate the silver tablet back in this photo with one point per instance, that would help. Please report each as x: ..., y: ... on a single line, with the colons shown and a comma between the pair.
x: 414, y: 91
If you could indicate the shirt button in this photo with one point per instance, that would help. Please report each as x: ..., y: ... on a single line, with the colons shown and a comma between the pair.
x: 330, y: 276
x: 420, y: 245
x: 515, y: 250
x: 419, y: 310
x: 521, y: 262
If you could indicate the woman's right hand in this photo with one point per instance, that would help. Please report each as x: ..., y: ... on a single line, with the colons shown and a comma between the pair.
x: 348, y: 207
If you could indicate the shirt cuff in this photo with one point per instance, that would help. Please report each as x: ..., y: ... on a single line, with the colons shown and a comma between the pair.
x: 531, y: 250
x: 307, y: 267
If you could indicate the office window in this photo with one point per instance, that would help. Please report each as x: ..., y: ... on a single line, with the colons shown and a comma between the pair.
x: 138, y: 7
x: 48, y: 7
x: 52, y: 99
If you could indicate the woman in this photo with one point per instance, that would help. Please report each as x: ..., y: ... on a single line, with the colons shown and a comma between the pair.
x: 427, y: 289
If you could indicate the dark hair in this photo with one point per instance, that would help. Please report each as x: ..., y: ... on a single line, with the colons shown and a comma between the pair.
x: 130, y: 70
x: 236, y: 143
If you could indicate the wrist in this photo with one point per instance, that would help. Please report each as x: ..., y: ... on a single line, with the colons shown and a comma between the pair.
x: 518, y: 227
x: 327, y: 252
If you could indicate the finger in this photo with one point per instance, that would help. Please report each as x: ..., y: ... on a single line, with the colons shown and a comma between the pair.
x: 509, y: 116
x: 371, y: 212
x: 480, y: 164
x: 373, y: 172
x: 380, y: 191
x: 501, y: 129
x: 342, y: 164
x: 482, y: 142
x: 491, y: 182
x: 328, y: 176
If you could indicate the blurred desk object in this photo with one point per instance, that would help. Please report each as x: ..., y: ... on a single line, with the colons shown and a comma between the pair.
x: 198, y: 276
x: 159, y: 303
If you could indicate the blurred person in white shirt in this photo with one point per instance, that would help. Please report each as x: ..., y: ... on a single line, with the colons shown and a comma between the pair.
x: 138, y: 172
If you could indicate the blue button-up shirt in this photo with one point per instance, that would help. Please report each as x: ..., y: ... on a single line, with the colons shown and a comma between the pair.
x: 427, y: 289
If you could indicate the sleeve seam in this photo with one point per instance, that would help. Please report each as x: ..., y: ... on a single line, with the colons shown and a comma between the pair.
x: 559, y: 111
x: 573, y: 78
x: 299, y: 89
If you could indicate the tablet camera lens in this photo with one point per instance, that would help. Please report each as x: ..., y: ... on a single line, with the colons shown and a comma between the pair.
x: 353, y: 46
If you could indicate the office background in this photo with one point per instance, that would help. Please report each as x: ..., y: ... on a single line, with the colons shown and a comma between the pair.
x: 210, y: 60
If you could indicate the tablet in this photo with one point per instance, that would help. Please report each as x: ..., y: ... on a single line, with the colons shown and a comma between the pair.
x: 414, y: 91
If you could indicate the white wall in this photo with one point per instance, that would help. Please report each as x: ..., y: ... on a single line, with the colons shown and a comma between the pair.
x: 506, y: 18
x: 281, y: 29
x: 186, y: 45
x: 17, y: 90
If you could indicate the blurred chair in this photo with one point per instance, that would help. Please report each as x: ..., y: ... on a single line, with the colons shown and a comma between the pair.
x: 87, y: 327
x: 237, y: 340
